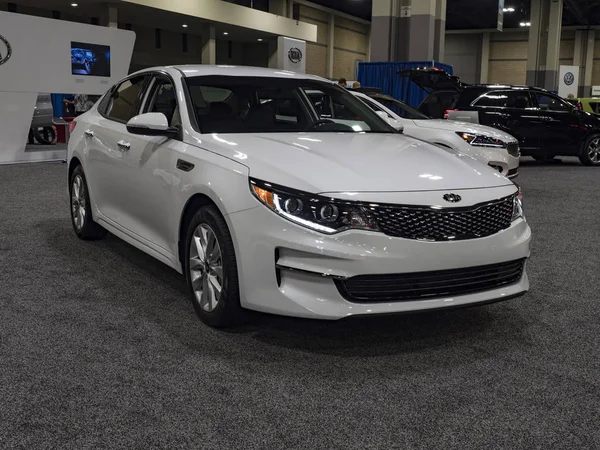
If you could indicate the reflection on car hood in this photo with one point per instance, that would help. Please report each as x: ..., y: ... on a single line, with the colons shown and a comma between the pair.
x: 464, y: 127
x: 341, y: 162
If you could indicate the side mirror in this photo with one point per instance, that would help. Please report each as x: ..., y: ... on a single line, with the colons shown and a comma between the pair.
x: 396, y: 124
x: 151, y: 124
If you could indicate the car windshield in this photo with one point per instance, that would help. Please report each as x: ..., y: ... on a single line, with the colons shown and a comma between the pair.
x: 402, y: 109
x: 232, y: 104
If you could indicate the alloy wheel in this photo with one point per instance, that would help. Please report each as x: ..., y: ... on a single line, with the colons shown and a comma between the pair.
x: 594, y: 150
x: 78, y: 202
x: 206, y: 267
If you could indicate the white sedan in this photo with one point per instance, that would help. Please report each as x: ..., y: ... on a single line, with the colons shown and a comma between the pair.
x: 493, y: 147
x: 230, y: 176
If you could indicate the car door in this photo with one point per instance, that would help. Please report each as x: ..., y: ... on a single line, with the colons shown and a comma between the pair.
x: 148, y: 169
x: 104, y: 162
x: 511, y: 111
x: 560, y: 132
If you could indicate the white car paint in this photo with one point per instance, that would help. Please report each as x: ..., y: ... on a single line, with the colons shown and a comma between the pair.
x: 140, y: 195
x: 443, y: 132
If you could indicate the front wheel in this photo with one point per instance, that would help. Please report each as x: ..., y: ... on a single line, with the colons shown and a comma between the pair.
x: 211, y: 269
x: 590, y: 152
x: 81, y: 208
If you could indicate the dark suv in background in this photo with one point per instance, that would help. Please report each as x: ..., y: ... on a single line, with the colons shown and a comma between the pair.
x: 545, y: 124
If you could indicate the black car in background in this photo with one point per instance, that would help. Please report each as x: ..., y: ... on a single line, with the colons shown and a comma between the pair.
x: 545, y: 124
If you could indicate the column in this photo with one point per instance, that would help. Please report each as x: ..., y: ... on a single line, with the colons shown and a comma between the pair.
x: 484, y: 64
x: 209, y: 45
x: 381, y: 30
x: 330, y: 45
x: 113, y: 17
x: 579, y: 46
x: 589, y: 62
x: 553, y: 50
x: 422, y: 30
x: 439, y: 44
x: 544, y: 43
x: 279, y: 7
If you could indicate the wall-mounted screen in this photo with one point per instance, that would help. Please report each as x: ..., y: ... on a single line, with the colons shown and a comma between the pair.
x: 90, y: 59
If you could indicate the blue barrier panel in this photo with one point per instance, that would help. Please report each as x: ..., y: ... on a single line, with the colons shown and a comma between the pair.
x: 383, y: 75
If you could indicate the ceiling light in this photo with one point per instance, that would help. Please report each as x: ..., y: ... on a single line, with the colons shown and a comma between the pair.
x: 225, y: 33
x: 525, y: 24
x: 259, y: 40
x: 184, y: 25
x: 74, y: 5
x: 509, y: 9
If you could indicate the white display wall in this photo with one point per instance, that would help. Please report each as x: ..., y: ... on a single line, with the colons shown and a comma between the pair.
x: 40, y: 61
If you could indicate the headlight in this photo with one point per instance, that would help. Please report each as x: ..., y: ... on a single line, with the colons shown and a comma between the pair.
x: 478, y: 140
x: 313, y: 211
x: 517, y: 207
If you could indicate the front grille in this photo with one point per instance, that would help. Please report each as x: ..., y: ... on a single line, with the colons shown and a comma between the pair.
x: 428, y: 223
x: 430, y: 285
x: 513, y: 150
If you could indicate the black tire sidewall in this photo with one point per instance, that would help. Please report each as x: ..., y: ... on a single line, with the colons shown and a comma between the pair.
x: 228, y: 311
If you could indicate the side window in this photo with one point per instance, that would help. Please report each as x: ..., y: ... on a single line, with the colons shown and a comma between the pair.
x: 518, y: 100
x: 550, y: 103
x: 123, y: 101
x: 162, y: 99
x: 492, y: 100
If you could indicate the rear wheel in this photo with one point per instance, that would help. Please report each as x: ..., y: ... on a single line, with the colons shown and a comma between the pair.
x: 211, y: 269
x: 590, y: 152
x: 81, y: 208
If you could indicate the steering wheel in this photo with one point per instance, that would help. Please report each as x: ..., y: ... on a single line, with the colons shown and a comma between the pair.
x: 318, y: 123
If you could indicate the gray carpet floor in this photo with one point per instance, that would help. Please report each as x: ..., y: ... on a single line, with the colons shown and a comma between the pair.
x: 100, y: 348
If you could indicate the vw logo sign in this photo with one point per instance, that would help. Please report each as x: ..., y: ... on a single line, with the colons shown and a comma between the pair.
x: 295, y: 55
x: 5, y: 50
x: 452, y: 198
x: 569, y: 78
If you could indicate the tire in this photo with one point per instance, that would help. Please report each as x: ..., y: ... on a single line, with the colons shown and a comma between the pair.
x: 81, y: 209
x: 45, y: 135
x: 210, y: 263
x: 590, y: 151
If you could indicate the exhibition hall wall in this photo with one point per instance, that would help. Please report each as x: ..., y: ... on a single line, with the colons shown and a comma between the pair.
x: 39, y: 55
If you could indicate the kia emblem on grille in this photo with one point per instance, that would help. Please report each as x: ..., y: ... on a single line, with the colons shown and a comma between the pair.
x: 452, y: 198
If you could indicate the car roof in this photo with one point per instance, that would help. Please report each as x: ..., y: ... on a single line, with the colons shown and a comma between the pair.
x: 196, y: 70
x: 504, y: 86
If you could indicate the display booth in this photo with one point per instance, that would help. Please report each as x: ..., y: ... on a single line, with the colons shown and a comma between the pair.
x: 48, y: 55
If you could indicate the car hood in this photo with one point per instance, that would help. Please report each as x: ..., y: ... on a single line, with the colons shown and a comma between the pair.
x: 464, y: 127
x: 352, y: 162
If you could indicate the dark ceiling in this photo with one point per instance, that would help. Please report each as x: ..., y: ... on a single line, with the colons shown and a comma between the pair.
x: 474, y: 14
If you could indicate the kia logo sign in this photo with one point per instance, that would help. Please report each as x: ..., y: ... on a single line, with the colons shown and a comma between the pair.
x: 295, y: 55
x: 5, y: 50
x: 569, y: 78
x: 452, y: 198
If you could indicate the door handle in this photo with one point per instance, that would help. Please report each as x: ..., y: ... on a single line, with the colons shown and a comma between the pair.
x: 124, y: 145
x: 89, y: 133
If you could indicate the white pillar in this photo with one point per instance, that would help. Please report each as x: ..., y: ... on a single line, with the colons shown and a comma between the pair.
x: 330, y: 46
x: 484, y: 66
x: 579, y: 45
x: 209, y: 46
x: 113, y: 17
x: 439, y: 44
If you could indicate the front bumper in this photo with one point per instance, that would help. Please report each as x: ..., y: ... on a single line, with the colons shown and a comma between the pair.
x: 287, y: 269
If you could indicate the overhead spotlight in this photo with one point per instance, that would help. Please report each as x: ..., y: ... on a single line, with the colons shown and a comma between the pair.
x: 509, y: 9
x: 225, y: 33
x: 525, y: 24
x: 74, y: 5
x: 259, y: 40
x: 184, y: 25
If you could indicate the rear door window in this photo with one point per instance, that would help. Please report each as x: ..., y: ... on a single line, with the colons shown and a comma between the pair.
x: 550, y: 103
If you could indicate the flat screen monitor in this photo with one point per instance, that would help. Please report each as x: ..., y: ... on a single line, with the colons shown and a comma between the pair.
x: 90, y: 59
